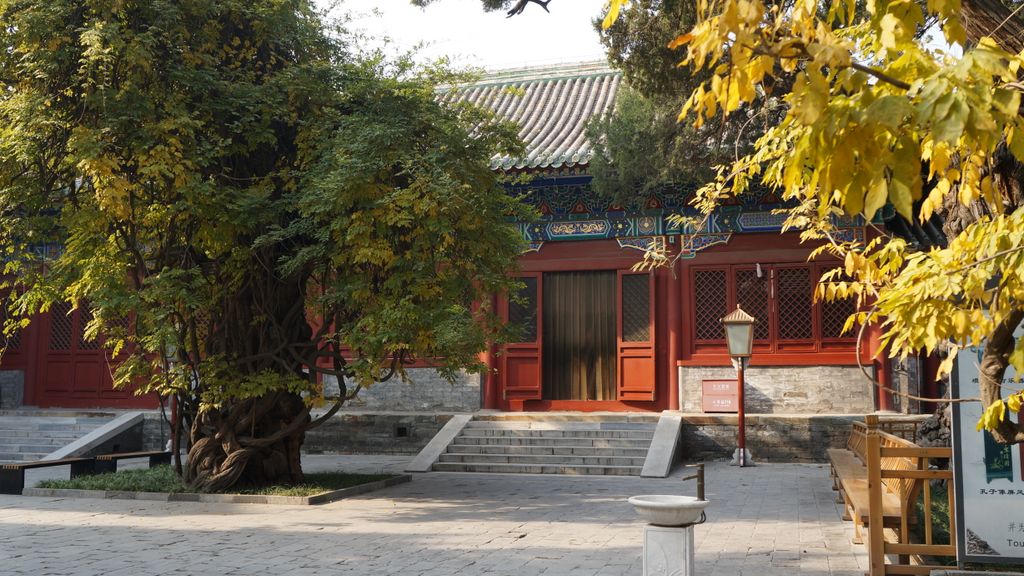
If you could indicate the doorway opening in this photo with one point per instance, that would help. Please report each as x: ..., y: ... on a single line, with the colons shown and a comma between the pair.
x: 579, y: 336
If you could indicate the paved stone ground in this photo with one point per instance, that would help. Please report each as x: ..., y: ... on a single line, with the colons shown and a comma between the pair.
x: 774, y: 519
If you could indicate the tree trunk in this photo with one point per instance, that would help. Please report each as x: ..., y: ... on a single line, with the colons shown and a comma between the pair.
x: 254, y: 443
x: 260, y: 330
x: 994, y: 362
x: 981, y: 18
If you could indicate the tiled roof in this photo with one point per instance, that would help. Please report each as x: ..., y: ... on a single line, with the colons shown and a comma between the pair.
x: 552, y: 106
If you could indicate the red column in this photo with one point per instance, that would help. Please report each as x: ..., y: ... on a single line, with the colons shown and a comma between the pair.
x: 884, y: 377
x: 674, y: 329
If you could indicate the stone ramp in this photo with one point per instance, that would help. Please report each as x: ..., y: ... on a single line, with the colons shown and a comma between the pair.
x: 575, y: 444
x: 27, y: 435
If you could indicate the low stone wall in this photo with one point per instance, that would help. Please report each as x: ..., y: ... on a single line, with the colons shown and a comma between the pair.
x: 12, y: 389
x: 788, y: 389
x: 375, y: 433
x: 775, y: 438
x: 426, y: 391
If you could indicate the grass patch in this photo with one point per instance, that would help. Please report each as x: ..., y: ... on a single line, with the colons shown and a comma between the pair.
x: 163, y: 479
x: 318, y: 483
x: 155, y: 479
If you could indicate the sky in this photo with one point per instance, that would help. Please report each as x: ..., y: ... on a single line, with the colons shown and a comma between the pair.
x: 461, y: 30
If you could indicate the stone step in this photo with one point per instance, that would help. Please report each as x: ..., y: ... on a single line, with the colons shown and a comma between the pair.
x: 649, y: 418
x: 548, y: 425
x: 21, y: 456
x: 31, y: 435
x: 50, y: 426
x: 638, y: 452
x: 550, y: 460
x: 466, y: 439
x: 41, y: 438
x: 551, y: 433
x: 538, y: 469
x: 34, y: 447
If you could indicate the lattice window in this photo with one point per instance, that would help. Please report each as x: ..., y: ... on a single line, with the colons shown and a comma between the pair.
x: 833, y: 318
x: 84, y: 317
x: 522, y: 311
x: 752, y: 296
x: 795, y: 305
x: 60, y: 326
x: 711, y: 302
x: 636, y: 308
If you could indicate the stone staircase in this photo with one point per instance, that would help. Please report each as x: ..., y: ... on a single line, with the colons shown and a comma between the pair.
x: 551, y: 444
x: 27, y: 435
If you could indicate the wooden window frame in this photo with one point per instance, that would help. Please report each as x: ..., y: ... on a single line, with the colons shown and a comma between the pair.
x: 816, y: 350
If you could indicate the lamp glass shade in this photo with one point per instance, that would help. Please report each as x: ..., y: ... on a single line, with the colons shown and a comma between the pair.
x: 739, y: 333
x: 740, y: 338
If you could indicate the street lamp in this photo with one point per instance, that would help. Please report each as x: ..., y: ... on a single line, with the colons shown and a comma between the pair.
x: 739, y: 337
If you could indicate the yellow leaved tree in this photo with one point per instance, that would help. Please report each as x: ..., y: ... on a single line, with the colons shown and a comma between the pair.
x: 878, y: 116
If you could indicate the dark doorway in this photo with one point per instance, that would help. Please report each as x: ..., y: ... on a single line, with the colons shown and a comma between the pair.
x: 579, y: 324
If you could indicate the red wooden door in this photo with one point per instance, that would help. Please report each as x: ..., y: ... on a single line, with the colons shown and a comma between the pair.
x: 521, y: 362
x: 72, y: 372
x: 635, y: 338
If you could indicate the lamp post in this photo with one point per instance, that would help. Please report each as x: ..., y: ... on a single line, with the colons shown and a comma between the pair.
x: 739, y: 336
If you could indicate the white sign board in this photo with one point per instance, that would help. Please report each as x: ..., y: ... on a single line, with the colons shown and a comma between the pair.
x: 989, y: 477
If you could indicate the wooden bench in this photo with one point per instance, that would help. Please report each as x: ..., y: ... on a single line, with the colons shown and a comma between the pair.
x: 850, y: 477
x: 108, y: 462
x: 12, y: 475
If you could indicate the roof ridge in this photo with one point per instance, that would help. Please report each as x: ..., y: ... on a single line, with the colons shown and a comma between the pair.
x: 535, y: 73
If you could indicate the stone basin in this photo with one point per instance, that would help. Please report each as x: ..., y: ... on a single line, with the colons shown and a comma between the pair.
x: 669, y: 509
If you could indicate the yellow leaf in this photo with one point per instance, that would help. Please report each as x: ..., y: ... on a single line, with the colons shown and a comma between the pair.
x: 614, y: 6
x: 994, y: 414
x: 1014, y: 401
x: 877, y: 195
x: 680, y: 41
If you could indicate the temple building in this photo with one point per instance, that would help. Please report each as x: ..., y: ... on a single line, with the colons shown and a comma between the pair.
x: 596, y: 335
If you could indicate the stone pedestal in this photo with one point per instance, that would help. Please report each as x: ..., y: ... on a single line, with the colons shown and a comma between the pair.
x: 748, y: 460
x: 668, y: 551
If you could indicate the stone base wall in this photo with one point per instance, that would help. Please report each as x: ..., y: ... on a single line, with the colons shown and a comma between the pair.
x: 426, y: 391
x: 769, y: 438
x: 12, y: 389
x: 156, y: 431
x: 788, y: 389
x: 375, y: 433
x: 344, y: 433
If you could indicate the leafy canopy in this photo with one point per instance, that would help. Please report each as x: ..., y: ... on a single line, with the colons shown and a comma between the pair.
x: 242, y: 199
x: 876, y: 117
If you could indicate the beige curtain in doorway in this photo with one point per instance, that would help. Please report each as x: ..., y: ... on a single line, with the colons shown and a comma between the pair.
x: 579, y: 336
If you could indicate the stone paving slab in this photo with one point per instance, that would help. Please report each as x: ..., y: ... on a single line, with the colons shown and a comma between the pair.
x: 769, y: 520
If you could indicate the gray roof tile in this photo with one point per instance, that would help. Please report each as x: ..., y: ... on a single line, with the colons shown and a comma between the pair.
x: 552, y: 105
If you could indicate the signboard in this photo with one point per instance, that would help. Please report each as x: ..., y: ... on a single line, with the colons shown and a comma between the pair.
x: 989, y: 477
x: 720, y: 396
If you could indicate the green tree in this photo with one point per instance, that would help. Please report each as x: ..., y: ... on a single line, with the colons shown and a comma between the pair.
x: 876, y: 116
x: 642, y: 145
x: 221, y: 175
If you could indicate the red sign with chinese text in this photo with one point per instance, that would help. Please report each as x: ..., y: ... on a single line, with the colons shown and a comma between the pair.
x: 720, y: 396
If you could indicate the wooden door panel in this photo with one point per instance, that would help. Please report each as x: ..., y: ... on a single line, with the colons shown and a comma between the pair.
x: 89, y: 379
x: 73, y: 373
x: 56, y: 376
x: 521, y: 361
x: 635, y: 336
